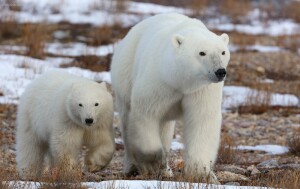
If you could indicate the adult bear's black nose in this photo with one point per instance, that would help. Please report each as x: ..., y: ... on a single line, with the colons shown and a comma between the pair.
x: 89, y: 121
x: 220, y: 73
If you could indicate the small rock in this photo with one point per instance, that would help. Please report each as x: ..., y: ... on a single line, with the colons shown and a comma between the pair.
x: 178, y: 164
x: 233, y: 169
x: 232, y: 184
x: 225, y: 176
x: 268, y: 164
x: 290, y: 166
x: 260, y: 70
x: 253, y: 170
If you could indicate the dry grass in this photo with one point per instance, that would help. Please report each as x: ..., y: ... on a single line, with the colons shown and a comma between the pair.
x: 292, y: 10
x: 121, y: 5
x: 34, y: 37
x: 289, y: 42
x: 102, y: 35
x: 9, y: 29
x: 197, y: 6
x: 62, y: 178
x: 257, y: 102
x: 227, y: 151
x: 235, y: 9
x: 294, y: 143
x: 278, y: 179
x: 91, y: 62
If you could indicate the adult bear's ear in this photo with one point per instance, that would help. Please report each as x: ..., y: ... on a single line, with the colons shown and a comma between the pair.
x: 103, y: 85
x: 177, y: 40
x: 225, y: 38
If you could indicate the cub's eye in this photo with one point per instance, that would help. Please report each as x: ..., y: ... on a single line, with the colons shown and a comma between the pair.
x: 96, y: 104
x: 80, y: 104
x: 223, y: 53
x: 202, y: 53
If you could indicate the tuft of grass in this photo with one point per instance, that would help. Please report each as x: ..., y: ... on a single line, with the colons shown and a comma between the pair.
x: 294, y: 143
x: 34, y: 37
x: 227, y: 151
x: 257, y: 102
x: 62, y: 176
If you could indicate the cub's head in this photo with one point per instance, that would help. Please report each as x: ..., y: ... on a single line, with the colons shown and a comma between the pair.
x: 86, y: 103
x: 200, y: 58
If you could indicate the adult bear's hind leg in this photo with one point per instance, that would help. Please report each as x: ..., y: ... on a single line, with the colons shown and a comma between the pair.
x: 144, y: 143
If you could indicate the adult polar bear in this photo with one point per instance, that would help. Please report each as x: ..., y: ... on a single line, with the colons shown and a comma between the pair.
x: 170, y: 66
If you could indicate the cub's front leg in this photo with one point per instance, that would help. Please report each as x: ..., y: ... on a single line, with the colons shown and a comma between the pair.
x: 65, y: 146
x: 101, y: 147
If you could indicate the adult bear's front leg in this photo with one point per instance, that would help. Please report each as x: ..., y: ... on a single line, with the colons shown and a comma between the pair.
x: 202, y: 119
x: 144, y: 143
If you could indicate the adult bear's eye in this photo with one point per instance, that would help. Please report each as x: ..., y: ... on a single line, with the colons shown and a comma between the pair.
x: 96, y: 104
x: 80, y: 104
x: 223, y: 53
x: 202, y: 53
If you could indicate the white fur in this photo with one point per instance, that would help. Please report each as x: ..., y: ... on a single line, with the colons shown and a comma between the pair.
x: 158, y: 76
x: 51, y: 122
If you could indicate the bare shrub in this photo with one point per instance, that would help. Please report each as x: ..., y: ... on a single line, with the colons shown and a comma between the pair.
x: 34, y: 37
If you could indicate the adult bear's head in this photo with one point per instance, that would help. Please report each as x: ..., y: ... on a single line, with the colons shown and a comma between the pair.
x: 200, y: 58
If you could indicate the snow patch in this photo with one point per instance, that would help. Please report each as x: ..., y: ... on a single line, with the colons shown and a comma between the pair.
x: 234, y: 96
x: 269, y: 149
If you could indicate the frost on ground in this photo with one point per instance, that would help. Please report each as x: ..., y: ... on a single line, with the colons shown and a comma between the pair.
x: 138, y: 184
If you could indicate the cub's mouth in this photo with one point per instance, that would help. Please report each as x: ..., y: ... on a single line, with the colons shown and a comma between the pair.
x: 89, y: 121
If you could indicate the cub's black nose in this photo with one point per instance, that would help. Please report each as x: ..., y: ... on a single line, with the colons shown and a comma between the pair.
x: 89, y: 121
x: 220, y: 73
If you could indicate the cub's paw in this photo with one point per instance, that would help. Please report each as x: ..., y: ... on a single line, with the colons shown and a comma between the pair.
x: 94, y: 168
x: 211, y: 178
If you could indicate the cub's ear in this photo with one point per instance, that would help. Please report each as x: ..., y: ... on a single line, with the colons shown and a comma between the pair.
x: 177, y: 40
x: 225, y: 38
x: 103, y: 85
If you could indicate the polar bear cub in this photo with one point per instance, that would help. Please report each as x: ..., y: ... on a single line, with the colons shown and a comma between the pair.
x: 170, y: 67
x: 57, y: 114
